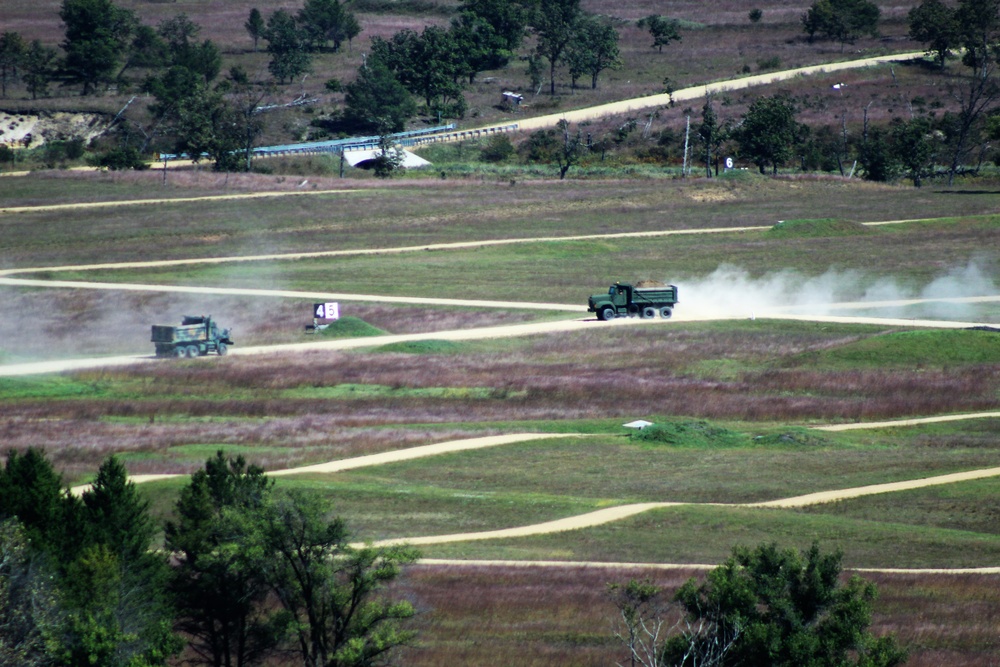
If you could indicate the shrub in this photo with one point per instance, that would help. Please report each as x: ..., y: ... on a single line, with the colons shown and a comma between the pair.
x: 497, y: 149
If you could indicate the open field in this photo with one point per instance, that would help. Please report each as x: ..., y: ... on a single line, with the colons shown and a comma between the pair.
x: 737, y: 395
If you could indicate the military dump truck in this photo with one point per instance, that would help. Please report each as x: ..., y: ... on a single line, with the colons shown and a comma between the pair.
x: 622, y: 299
x: 197, y: 335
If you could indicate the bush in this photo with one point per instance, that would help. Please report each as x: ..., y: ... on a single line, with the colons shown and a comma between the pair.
x: 120, y: 159
x: 497, y: 149
x: 773, y: 62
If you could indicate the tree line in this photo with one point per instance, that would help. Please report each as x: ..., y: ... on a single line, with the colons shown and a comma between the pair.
x: 921, y: 146
x: 247, y: 573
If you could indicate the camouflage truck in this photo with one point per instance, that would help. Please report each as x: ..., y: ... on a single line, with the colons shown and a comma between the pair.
x: 625, y: 300
x: 196, y: 335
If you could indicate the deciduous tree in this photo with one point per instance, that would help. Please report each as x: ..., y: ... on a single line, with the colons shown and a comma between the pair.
x: 843, y: 21
x: 767, y: 132
x: 593, y: 49
x: 712, y: 134
x: 978, y: 95
x: 376, y: 96
x: 287, y: 45
x: 335, y: 592
x: 935, y: 25
x: 327, y: 22
x: 12, y: 52
x: 559, y: 146
x: 662, y: 30
x: 554, y: 23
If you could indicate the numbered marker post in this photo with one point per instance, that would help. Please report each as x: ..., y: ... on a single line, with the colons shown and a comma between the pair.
x: 326, y: 311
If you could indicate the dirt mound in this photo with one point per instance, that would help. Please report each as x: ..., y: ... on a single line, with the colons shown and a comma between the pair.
x: 33, y: 130
x: 650, y: 283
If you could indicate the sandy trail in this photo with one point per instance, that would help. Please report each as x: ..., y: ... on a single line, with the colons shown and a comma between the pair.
x: 458, y: 245
x: 383, y: 458
x: 698, y: 92
x: 621, y: 512
x: 908, y: 422
x: 478, y: 333
x: 148, y: 202
x: 598, y: 517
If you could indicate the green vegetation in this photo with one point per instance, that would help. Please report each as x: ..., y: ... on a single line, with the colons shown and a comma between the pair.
x: 350, y: 327
x: 732, y: 400
x: 922, y: 349
x: 646, y: 537
x: 423, y: 347
x: 761, y: 606
x: 819, y: 228
x: 688, y: 434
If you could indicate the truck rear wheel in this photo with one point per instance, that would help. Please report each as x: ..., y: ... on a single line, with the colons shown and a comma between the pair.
x: 648, y: 313
x: 607, y: 313
x: 666, y: 312
x: 193, y: 351
x: 180, y: 352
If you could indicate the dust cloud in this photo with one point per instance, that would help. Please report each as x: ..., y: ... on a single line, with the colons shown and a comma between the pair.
x: 731, y: 291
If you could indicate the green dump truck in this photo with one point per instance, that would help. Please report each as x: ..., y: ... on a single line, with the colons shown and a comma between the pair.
x: 625, y: 300
x: 197, y: 335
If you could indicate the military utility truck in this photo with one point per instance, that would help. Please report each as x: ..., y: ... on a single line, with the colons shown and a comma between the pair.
x: 197, y: 335
x: 624, y: 300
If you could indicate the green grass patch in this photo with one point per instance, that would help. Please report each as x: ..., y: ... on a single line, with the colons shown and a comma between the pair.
x: 374, y: 512
x: 665, y: 536
x: 350, y: 327
x: 815, y: 228
x: 423, y: 347
x: 51, y: 387
x: 911, y: 348
x: 614, y: 470
x: 967, y: 506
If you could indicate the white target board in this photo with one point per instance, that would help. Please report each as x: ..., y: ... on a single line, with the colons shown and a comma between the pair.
x: 326, y: 311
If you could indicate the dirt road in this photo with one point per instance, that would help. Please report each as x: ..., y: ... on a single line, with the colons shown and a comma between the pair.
x: 599, y: 517
x: 700, y: 92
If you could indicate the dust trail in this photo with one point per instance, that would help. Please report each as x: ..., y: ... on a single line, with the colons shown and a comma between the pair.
x: 731, y: 291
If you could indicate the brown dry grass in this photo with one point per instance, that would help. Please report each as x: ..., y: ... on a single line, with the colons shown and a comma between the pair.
x: 542, y: 616
x: 239, y: 401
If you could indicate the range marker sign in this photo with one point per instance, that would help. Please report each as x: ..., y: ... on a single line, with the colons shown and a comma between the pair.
x: 326, y: 311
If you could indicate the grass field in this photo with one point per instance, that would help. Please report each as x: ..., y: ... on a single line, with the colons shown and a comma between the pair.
x: 735, y: 399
